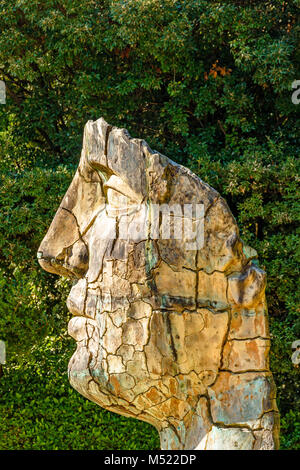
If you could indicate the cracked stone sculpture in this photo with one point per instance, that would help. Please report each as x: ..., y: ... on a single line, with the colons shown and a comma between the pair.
x: 168, y: 331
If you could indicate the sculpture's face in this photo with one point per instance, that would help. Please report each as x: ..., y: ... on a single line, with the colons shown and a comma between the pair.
x: 151, y: 308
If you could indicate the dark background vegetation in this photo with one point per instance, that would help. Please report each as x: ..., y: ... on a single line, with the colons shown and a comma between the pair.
x: 207, y: 83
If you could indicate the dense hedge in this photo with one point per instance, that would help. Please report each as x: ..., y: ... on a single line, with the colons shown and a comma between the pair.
x: 209, y: 84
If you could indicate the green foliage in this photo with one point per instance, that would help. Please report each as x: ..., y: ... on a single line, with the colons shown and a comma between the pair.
x: 208, y: 84
x: 39, y: 410
x: 28, y: 300
x: 290, y: 428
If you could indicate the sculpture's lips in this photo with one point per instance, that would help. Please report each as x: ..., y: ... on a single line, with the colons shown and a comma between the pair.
x: 78, y: 327
x: 76, y: 298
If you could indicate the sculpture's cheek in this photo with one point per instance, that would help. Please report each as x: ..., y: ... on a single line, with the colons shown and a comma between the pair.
x: 186, y: 342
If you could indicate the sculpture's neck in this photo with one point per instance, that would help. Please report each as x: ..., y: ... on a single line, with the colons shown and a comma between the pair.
x: 201, y: 434
x: 181, y: 438
x: 189, y: 433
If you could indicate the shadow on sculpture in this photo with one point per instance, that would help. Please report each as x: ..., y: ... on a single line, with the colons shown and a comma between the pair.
x: 169, y: 309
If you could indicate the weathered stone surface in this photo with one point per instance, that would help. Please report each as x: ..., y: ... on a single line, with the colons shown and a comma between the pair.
x: 115, y: 364
x: 92, y: 302
x: 199, y: 427
x: 170, y: 318
x: 212, y: 290
x: 95, y: 142
x: 229, y: 439
x: 175, y: 284
x: 222, y: 249
x: 78, y: 328
x: 181, y: 343
x: 77, y: 296
x: 139, y: 309
x: 125, y: 158
x: 172, y: 252
x: 84, y: 198
x: 247, y: 289
x: 267, y: 438
x: 241, y: 398
x: 248, y: 354
x: 63, y: 233
x: 249, y: 323
x: 112, y: 338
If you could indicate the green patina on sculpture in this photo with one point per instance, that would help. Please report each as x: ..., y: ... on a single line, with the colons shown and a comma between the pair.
x: 174, y: 336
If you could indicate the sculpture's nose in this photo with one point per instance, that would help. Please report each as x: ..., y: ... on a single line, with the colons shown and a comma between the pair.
x: 62, y: 251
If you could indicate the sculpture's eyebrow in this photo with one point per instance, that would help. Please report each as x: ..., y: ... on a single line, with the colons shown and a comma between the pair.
x: 116, y: 183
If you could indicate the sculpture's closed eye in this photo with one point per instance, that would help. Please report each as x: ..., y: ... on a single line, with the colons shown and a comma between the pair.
x: 116, y: 184
x: 117, y: 200
x: 120, y: 198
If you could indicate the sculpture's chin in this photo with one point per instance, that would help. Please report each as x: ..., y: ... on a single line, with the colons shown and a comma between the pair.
x: 85, y: 369
x: 107, y: 392
x: 85, y: 364
x: 78, y: 370
x: 91, y: 381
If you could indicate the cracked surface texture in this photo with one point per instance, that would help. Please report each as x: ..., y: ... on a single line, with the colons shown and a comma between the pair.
x: 172, y: 336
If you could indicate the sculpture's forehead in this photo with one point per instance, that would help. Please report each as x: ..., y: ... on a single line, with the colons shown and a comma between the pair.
x: 113, y: 151
x: 148, y: 173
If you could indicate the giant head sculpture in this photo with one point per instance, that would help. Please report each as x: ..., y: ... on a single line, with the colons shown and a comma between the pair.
x: 169, y: 310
